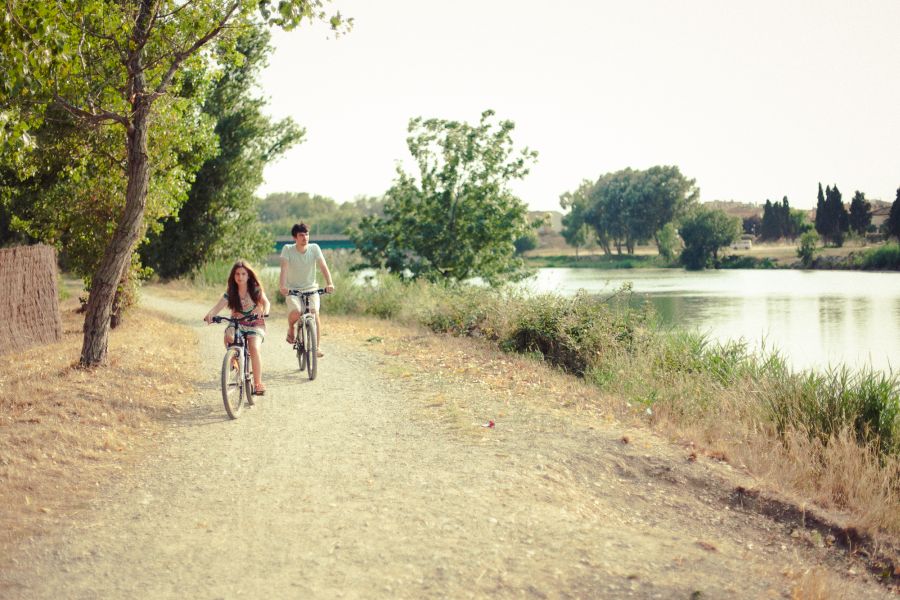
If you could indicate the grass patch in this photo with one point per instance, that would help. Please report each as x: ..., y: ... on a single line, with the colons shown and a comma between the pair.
x: 64, y: 430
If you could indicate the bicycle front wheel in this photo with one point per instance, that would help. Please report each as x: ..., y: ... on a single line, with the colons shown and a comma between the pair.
x: 232, y: 382
x: 249, y: 388
x: 300, y: 347
x: 312, y: 360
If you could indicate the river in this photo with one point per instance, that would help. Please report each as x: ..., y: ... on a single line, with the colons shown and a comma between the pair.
x: 815, y: 319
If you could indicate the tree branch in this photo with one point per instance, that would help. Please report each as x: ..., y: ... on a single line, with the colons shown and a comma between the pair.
x: 181, y: 56
x: 92, y: 117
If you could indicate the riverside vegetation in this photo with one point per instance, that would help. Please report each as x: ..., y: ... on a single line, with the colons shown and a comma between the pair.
x: 831, y: 437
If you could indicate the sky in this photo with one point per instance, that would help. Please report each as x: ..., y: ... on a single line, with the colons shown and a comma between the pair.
x: 754, y: 100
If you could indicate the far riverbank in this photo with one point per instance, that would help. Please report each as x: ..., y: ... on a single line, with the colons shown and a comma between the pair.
x: 852, y: 257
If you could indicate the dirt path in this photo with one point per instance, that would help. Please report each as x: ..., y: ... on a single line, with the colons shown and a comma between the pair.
x: 369, y: 483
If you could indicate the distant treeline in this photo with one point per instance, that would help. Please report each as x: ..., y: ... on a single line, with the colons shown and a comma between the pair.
x: 278, y: 212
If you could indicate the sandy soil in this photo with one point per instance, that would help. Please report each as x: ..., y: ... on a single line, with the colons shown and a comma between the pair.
x: 372, y: 482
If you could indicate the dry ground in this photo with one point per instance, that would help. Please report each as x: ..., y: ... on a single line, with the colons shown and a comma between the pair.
x: 382, y: 478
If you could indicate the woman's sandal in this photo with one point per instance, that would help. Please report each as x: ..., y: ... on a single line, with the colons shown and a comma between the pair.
x: 260, y: 390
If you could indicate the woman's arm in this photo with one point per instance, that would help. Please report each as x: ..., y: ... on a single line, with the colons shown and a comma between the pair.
x: 215, y: 309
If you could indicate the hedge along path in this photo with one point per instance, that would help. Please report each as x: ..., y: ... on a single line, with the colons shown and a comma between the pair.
x: 379, y: 479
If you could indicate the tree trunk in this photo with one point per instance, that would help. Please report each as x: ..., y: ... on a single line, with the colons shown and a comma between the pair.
x: 117, y: 256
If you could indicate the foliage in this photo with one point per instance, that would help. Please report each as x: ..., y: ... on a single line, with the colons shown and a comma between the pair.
x: 860, y: 216
x: 744, y: 261
x: 576, y: 231
x: 279, y: 212
x: 704, y: 232
x: 73, y: 197
x: 218, y: 220
x: 458, y: 219
x: 893, y: 222
x: 832, y: 220
x: 808, y: 248
x: 781, y: 221
x: 886, y: 257
x: 630, y: 206
x: 669, y: 242
x: 115, y: 65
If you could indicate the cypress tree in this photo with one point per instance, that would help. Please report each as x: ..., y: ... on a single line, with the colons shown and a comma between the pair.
x: 860, y: 213
x: 893, y: 222
x: 820, y: 212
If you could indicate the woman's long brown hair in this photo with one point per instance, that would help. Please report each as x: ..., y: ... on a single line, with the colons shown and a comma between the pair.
x: 254, y: 286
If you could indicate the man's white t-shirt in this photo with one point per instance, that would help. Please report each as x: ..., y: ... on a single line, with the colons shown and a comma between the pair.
x: 301, y: 267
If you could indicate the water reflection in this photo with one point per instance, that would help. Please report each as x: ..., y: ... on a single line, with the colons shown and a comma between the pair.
x: 814, y: 318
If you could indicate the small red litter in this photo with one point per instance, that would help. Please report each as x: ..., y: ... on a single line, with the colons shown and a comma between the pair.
x: 489, y: 424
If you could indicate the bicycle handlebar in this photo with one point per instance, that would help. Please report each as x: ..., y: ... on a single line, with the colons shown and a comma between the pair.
x: 237, y: 320
x: 319, y: 291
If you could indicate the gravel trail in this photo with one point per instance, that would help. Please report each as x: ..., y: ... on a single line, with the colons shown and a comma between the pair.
x: 363, y: 484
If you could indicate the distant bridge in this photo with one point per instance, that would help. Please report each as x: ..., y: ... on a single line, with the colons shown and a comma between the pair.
x: 326, y: 241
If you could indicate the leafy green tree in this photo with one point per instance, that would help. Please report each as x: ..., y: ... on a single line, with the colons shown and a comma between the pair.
x: 219, y: 220
x: 808, y: 248
x: 704, y: 232
x: 893, y: 222
x: 630, y: 206
x: 576, y: 231
x: 114, y: 64
x: 860, y: 213
x: 669, y: 242
x: 458, y: 219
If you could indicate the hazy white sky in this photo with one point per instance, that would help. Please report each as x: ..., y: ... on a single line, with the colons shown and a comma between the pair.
x: 754, y: 100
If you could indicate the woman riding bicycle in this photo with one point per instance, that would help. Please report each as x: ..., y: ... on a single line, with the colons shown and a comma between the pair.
x: 247, y: 299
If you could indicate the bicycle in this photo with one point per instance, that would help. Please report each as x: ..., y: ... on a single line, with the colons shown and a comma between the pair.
x: 305, y: 341
x: 237, y: 369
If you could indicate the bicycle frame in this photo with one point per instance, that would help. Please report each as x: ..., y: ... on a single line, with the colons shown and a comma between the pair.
x: 247, y: 387
x: 305, y: 333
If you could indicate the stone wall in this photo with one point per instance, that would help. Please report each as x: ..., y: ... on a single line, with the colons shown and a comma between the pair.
x: 29, y: 304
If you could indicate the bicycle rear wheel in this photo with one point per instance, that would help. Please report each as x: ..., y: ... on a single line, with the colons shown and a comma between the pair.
x: 232, y: 382
x: 312, y: 361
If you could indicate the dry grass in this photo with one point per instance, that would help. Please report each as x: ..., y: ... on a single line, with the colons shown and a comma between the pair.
x: 64, y: 431
x: 817, y: 584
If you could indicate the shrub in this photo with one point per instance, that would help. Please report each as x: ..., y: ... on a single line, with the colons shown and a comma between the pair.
x: 884, y: 257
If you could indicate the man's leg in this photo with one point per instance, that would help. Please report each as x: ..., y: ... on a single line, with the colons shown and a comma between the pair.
x: 292, y: 321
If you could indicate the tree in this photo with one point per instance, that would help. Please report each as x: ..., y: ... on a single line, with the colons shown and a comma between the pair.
x: 704, y: 231
x: 668, y: 242
x: 219, y: 217
x: 770, y: 228
x: 821, y: 216
x: 893, y: 222
x: 458, y: 219
x: 808, y: 248
x: 630, y: 206
x: 752, y: 225
x: 860, y: 213
x: 113, y: 65
x: 576, y: 230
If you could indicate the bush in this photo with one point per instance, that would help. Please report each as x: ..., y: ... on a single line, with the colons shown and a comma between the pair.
x: 809, y: 246
x: 886, y: 257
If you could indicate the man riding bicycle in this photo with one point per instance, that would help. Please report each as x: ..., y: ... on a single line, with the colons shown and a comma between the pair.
x: 298, y: 272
